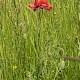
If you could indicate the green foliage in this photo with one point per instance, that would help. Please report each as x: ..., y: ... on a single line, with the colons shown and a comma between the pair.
x: 32, y: 44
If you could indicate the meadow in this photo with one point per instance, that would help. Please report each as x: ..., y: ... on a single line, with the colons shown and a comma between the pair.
x: 33, y: 45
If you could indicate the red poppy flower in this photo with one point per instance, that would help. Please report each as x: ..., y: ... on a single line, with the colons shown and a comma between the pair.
x: 43, y: 4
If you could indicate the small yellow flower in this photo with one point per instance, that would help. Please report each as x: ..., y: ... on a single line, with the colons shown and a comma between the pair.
x: 60, y: 7
x: 61, y: 64
x: 14, y: 67
x: 55, y: 13
x: 75, y: 13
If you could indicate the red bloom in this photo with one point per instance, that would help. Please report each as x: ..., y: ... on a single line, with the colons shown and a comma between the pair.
x: 43, y: 4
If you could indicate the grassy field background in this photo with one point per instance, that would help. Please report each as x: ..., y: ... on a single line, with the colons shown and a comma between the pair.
x: 33, y: 44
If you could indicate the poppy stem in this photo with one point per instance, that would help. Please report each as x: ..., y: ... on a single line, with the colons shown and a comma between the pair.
x: 42, y: 11
x: 39, y: 30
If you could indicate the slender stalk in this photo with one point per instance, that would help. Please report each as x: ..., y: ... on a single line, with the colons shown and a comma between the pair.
x: 71, y: 58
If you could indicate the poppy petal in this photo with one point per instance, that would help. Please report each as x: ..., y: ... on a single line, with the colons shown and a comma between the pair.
x: 31, y: 5
x: 49, y: 7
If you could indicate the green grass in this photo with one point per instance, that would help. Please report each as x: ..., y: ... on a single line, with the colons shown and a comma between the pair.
x: 32, y: 44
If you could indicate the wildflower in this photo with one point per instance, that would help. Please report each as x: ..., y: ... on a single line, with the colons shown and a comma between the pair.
x: 24, y: 35
x: 61, y: 65
x: 60, y: 7
x: 54, y: 13
x: 14, y: 67
x: 43, y: 4
x: 66, y: 6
